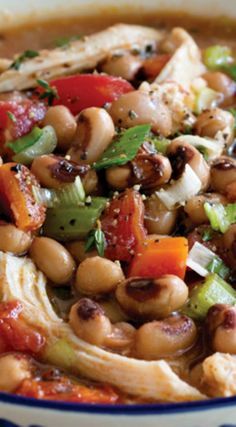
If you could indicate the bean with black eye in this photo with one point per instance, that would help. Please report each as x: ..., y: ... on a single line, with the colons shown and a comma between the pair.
x: 222, y: 83
x: 64, y: 124
x: 223, y: 173
x: 151, y: 298
x: 97, y: 275
x: 165, y: 338
x: 181, y: 153
x: 139, y: 107
x: 54, y: 172
x: 95, y: 132
x: 89, y: 322
x: 221, y: 325
x: 210, y: 122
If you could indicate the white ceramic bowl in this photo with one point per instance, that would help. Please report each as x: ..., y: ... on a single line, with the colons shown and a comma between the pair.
x: 20, y: 412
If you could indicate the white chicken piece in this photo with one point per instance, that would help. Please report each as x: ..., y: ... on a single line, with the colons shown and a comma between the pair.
x: 219, y: 375
x: 20, y: 280
x: 186, y: 63
x: 79, y: 55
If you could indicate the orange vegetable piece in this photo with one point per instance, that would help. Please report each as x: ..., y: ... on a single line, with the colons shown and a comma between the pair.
x: 165, y: 256
x: 63, y: 389
x: 123, y: 226
x: 16, y: 196
x: 153, y: 66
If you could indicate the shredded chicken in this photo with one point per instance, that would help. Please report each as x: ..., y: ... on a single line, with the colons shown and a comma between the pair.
x: 155, y: 380
x: 80, y: 55
x: 185, y: 64
x: 219, y: 375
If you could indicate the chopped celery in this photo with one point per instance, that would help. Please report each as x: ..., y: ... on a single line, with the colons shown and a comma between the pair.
x: 124, y: 148
x: 45, y: 144
x: 74, y: 222
x: 60, y: 354
x: 220, y: 217
x: 26, y: 141
x: 217, y: 56
x: 68, y: 195
x: 231, y: 212
x: 213, y: 290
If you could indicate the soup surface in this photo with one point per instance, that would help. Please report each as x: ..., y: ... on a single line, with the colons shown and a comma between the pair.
x: 118, y: 209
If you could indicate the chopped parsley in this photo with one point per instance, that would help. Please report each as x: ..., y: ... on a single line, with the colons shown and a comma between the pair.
x: 96, y: 239
x: 50, y: 93
x: 22, y: 58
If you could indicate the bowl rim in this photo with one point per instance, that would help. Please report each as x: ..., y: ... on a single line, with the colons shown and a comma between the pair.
x: 120, y: 409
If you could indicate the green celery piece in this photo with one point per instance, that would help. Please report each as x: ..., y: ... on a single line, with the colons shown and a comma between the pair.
x: 231, y: 212
x: 214, y: 290
x: 26, y: 141
x: 74, y: 222
x: 66, y: 196
x: 45, y: 144
x: 60, y: 354
x: 124, y: 148
x: 216, y: 214
x: 215, y: 57
x: 160, y: 145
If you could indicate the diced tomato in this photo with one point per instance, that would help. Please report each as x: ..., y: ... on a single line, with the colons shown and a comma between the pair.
x: 153, y: 65
x: 123, y: 226
x: 156, y: 258
x: 88, y: 90
x: 17, y: 118
x: 64, y: 390
x: 16, y: 196
x: 15, y: 335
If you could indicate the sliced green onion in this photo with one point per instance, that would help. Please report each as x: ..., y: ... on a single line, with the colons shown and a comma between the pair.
x: 220, y: 217
x: 124, y: 148
x: 187, y: 186
x: 160, y: 145
x: 45, y: 144
x: 217, y: 56
x: 75, y: 222
x: 26, y: 141
x: 212, y: 148
x: 218, y: 266
x: 69, y: 195
x: 60, y: 353
x: 213, y: 290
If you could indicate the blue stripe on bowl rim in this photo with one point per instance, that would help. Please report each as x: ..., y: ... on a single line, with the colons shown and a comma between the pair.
x: 144, y: 409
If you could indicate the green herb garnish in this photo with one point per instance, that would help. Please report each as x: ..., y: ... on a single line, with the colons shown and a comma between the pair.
x: 96, y: 239
x: 23, y: 57
x: 65, y: 41
x: 207, y: 234
x: 50, y: 93
x: 11, y: 116
x: 124, y: 148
